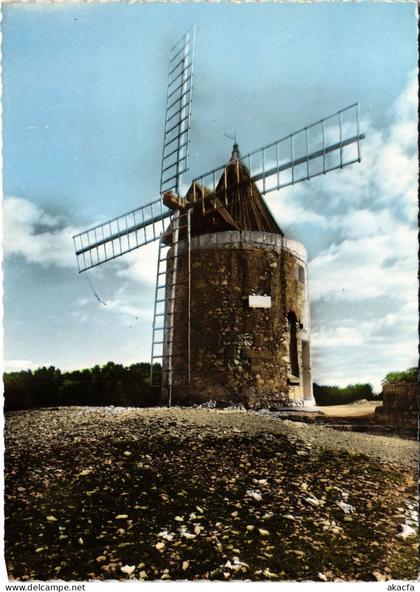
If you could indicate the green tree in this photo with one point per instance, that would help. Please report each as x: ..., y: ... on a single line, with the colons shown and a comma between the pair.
x: 335, y: 395
x: 409, y: 375
x: 111, y: 384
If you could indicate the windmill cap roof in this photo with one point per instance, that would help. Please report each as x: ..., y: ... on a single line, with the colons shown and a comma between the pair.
x: 234, y: 204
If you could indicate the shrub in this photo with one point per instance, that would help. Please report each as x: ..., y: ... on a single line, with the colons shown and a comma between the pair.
x: 409, y: 375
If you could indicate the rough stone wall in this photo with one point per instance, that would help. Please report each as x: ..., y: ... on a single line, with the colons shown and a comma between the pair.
x: 239, y: 354
x: 400, y: 406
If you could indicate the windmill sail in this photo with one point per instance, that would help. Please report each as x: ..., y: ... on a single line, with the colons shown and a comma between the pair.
x: 145, y: 224
x: 326, y: 145
x: 329, y: 144
x: 178, y: 113
x: 120, y: 235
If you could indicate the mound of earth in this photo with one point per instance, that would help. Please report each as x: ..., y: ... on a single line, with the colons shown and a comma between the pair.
x: 362, y: 408
x: 195, y: 494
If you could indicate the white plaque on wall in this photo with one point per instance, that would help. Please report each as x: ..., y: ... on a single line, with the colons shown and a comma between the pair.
x: 259, y: 301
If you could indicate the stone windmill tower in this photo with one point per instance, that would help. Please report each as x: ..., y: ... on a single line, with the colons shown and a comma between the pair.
x: 231, y: 314
x: 248, y: 328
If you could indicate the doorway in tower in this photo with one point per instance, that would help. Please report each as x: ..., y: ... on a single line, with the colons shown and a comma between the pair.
x: 293, y: 346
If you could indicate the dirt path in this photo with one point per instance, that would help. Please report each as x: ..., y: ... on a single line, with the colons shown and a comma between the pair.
x: 349, y: 410
x: 112, y: 493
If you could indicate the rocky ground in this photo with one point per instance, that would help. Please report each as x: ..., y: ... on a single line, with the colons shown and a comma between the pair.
x: 172, y: 494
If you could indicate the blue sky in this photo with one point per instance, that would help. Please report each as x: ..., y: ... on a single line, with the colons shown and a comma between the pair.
x: 83, y: 110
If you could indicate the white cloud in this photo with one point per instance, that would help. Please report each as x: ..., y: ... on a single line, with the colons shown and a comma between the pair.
x: 288, y: 211
x: 129, y: 311
x: 369, y: 211
x: 39, y: 237
x: 141, y: 264
x: 35, y: 235
x: 353, y: 269
x: 377, y: 213
x: 338, y: 337
x: 364, y: 223
x: 82, y: 317
x: 386, y: 177
x: 127, y: 301
x: 366, y: 363
x: 354, y: 347
x: 404, y: 113
x: 17, y: 365
x: 83, y: 301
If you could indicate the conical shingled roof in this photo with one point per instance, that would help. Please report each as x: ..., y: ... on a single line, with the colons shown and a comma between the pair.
x: 242, y: 200
x: 236, y: 204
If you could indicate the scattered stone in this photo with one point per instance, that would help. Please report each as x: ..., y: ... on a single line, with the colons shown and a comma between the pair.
x: 406, y: 531
x: 256, y: 495
x: 347, y: 508
x: 191, y: 457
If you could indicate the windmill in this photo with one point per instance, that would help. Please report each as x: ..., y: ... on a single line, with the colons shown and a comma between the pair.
x: 231, y: 311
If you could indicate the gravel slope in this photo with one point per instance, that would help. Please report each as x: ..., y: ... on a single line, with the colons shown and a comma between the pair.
x: 196, y: 494
x: 218, y: 423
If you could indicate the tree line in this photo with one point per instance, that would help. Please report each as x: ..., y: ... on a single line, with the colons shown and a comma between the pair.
x: 336, y: 395
x: 128, y: 386
x: 111, y: 384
